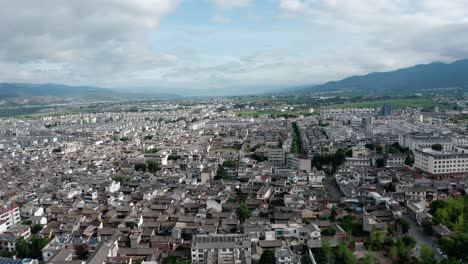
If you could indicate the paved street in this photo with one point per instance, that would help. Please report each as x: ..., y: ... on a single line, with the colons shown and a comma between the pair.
x: 418, y: 233
x: 332, y: 188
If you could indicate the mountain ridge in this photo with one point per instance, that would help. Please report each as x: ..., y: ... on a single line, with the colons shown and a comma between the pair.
x: 9, y: 91
x: 418, y: 77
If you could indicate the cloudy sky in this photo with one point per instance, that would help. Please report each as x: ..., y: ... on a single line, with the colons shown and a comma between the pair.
x: 223, y: 44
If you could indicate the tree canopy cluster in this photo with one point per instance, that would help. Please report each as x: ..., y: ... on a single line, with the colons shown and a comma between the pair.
x: 453, y: 213
x: 334, y: 160
x: 296, y: 145
x: 150, y: 165
x: 338, y: 255
x: 30, y: 249
x: 221, y: 173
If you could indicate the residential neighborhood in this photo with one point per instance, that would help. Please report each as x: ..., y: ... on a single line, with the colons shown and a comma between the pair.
x: 199, y: 183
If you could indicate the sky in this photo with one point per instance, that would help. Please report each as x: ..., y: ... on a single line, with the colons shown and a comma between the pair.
x: 223, y: 45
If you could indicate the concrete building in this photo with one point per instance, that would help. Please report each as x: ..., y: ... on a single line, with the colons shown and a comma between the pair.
x: 424, y: 140
x: 221, y: 249
x: 9, y: 217
x: 442, y: 163
x: 298, y: 163
x: 276, y: 156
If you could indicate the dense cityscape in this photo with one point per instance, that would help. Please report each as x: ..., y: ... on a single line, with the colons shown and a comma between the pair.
x: 234, y: 132
x: 235, y: 180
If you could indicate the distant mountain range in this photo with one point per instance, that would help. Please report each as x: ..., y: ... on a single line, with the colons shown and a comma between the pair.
x: 416, y: 78
x: 419, y: 77
x: 12, y: 91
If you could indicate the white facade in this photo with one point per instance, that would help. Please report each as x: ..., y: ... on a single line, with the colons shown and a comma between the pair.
x: 299, y: 163
x: 441, y: 162
x: 221, y: 249
x: 413, y: 141
x: 276, y: 156
x: 113, y: 187
x: 9, y: 216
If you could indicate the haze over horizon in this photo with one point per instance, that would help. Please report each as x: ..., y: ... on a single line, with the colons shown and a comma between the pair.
x: 196, y: 45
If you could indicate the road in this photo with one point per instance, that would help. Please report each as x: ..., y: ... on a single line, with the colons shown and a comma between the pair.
x: 418, y: 233
x: 332, y: 188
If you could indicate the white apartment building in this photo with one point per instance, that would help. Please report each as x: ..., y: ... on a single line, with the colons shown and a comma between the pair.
x: 396, y: 160
x: 9, y: 217
x: 442, y: 163
x: 358, y: 161
x: 276, y: 156
x: 298, y: 163
x: 424, y: 140
x: 221, y: 249
x: 460, y: 140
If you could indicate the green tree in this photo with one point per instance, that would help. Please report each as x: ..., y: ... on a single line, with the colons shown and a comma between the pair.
x: 344, y: 255
x: 390, y: 187
x: 36, y: 228
x: 380, y: 163
x: 6, y: 254
x: 401, y: 251
x: 427, y: 255
x: 436, y: 205
x: 243, y: 212
x: 141, y: 167
x: 22, y: 248
x: 57, y: 150
x: 328, y: 231
x: 409, y: 160
x: 455, y: 246
x: 437, y: 147
x: 402, y: 224
x: 370, y: 146
x: 37, y: 244
x: 349, y: 153
x: 325, y: 254
x: 241, y: 197
x: 153, y: 166
x: 267, y: 257
x: 258, y: 158
x: 450, y: 261
x: 26, y: 222
x: 131, y: 224
x: 221, y: 173
x: 369, y: 258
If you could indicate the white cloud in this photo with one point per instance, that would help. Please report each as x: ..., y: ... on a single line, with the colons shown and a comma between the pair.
x: 106, y: 42
x: 220, y: 19
x: 422, y: 30
x: 91, y: 41
x: 293, y: 6
x: 226, y: 4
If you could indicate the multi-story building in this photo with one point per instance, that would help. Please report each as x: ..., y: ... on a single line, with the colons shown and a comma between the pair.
x: 298, y: 163
x: 358, y: 161
x: 276, y: 156
x: 442, y: 163
x: 424, y: 140
x: 9, y: 217
x: 460, y: 140
x: 386, y: 109
x: 221, y: 249
x: 396, y: 160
